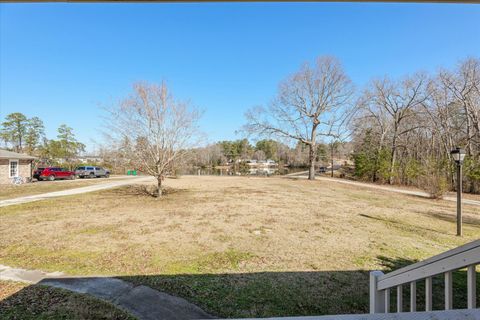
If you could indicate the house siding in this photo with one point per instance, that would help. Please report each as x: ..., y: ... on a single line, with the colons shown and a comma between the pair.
x: 24, y: 170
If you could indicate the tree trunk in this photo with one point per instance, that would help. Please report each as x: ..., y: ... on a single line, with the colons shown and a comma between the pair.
x: 311, y: 161
x: 332, y: 168
x: 392, y: 167
x: 375, y: 165
x: 393, y: 160
x: 331, y: 159
x: 159, y: 186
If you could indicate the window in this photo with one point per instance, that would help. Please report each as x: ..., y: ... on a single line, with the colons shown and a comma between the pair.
x: 89, y: 168
x: 13, y: 168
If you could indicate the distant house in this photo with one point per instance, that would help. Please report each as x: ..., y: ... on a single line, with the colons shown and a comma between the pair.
x: 14, y: 164
x: 258, y: 163
x: 89, y: 159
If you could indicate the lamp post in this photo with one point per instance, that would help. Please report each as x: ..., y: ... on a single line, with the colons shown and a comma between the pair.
x: 458, y: 155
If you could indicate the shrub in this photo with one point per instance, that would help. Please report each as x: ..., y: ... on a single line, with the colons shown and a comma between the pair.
x: 434, y: 185
x: 433, y: 180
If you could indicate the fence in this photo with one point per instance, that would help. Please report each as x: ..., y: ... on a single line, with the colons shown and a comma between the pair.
x: 466, y: 256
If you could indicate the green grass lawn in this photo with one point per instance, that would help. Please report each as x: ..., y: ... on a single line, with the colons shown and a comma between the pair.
x: 238, y: 246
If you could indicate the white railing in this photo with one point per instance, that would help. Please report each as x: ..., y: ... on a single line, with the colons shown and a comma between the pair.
x: 466, y: 256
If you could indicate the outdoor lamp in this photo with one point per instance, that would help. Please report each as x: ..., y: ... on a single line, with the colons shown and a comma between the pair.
x: 458, y: 155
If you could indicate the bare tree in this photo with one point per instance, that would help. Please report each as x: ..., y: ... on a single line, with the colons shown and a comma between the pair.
x: 406, y: 129
x: 464, y: 85
x: 311, y: 103
x: 398, y: 101
x: 372, y: 118
x: 158, y: 128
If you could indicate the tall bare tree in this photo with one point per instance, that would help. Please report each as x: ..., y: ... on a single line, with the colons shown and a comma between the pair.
x: 398, y: 101
x: 464, y: 85
x: 311, y: 103
x: 373, y: 120
x: 158, y: 128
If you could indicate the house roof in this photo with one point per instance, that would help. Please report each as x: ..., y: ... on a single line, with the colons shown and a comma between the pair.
x: 5, y: 154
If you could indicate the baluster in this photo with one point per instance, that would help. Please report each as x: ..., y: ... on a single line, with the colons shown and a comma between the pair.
x: 377, y: 297
x: 413, y: 296
x: 448, y: 290
x: 399, y: 298
x: 387, y: 300
x: 428, y: 294
x: 471, y: 287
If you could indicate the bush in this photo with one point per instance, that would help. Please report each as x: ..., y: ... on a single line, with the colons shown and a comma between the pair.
x: 433, y: 180
x: 435, y: 186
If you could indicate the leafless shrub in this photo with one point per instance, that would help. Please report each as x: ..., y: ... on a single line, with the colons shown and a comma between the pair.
x: 433, y: 181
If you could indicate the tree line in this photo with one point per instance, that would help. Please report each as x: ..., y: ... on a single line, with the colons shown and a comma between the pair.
x: 230, y: 151
x: 404, y: 129
x: 401, y: 130
x: 27, y: 135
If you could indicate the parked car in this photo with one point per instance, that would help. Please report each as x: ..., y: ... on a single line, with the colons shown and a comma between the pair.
x: 92, y: 172
x: 53, y: 173
x: 322, y: 169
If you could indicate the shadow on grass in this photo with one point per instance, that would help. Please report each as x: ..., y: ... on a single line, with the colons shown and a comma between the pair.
x: 400, y: 224
x: 41, y: 302
x: 269, y: 294
x: 470, y: 220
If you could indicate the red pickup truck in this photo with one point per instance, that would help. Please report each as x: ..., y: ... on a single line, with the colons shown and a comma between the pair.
x: 53, y: 173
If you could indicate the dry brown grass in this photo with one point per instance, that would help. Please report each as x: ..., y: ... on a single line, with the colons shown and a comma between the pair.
x: 300, y: 221
x: 7, y: 288
x: 322, y: 231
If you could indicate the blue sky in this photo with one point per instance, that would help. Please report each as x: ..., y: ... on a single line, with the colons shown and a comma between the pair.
x: 62, y: 61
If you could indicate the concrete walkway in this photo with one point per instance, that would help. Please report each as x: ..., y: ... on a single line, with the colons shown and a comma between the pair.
x: 142, y: 302
x: 301, y: 175
x: 69, y: 192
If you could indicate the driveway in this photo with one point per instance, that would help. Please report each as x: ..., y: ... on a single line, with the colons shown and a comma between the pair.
x: 97, y: 187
